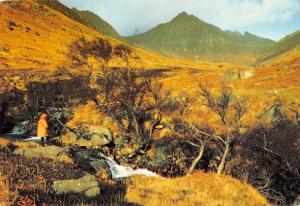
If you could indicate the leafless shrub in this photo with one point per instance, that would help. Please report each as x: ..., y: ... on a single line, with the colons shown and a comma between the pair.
x: 83, y: 52
x: 134, y: 99
x: 229, y: 110
x: 269, y: 160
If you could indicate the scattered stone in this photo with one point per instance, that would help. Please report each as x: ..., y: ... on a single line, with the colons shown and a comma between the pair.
x: 4, y: 49
x: 11, y: 23
x: 87, y: 185
x: 246, y: 74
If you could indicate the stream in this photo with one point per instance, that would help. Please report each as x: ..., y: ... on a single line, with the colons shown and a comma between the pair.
x: 117, y: 171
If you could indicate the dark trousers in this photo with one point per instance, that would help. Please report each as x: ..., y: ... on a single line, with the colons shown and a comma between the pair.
x: 43, y: 140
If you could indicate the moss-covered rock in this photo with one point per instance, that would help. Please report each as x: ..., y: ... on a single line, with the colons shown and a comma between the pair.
x: 51, y: 152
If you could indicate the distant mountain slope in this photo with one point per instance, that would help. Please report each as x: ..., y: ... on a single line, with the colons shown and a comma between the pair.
x: 287, y: 44
x: 97, y: 23
x: 56, y: 5
x: 84, y: 17
x: 186, y: 36
x: 37, y: 37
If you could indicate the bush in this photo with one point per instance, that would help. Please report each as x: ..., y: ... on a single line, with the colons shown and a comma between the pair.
x: 269, y: 160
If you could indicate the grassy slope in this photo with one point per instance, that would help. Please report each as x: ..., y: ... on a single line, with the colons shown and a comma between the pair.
x: 284, y: 47
x: 197, y: 189
x: 189, y: 37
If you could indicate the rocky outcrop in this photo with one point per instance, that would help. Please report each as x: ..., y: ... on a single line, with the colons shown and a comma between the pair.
x: 273, y: 113
x: 93, y: 137
x: 87, y: 185
x: 51, y: 152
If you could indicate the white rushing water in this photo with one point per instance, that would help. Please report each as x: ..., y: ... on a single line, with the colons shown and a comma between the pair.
x: 19, y: 129
x: 119, y: 171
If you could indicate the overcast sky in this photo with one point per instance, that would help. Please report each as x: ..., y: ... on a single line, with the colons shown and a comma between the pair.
x: 267, y: 18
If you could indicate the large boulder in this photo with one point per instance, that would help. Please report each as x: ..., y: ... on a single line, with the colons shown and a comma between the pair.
x: 92, y: 137
x: 87, y: 185
x: 99, y: 165
x: 69, y: 138
x: 99, y: 133
x: 102, y: 168
x: 51, y: 152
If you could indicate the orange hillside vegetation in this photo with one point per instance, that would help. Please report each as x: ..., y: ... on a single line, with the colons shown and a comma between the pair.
x: 197, y: 189
x: 34, y: 36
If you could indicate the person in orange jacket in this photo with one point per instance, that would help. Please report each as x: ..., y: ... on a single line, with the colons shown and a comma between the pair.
x: 42, y: 128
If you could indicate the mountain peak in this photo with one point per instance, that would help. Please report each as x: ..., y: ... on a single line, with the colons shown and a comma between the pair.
x: 183, y: 14
x: 184, y: 17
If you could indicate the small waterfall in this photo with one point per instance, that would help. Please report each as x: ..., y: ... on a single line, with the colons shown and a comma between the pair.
x: 19, y: 129
x: 119, y: 171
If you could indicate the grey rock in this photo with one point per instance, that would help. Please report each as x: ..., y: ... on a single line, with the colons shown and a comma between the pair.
x: 273, y: 113
x: 52, y: 152
x: 100, y: 139
x: 94, y: 137
x: 87, y: 185
x: 101, y: 132
x: 159, y: 158
x: 99, y: 165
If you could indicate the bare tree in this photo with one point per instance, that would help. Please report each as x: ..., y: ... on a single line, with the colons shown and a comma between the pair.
x: 230, y: 112
x: 134, y: 99
x: 183, y: 127
x: 83, y: 52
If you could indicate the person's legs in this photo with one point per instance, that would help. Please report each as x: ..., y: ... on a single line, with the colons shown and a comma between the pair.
x: 43, y: 141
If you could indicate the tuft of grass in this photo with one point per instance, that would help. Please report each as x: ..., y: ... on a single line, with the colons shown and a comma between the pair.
x: 206, y: 189
x: 4, y: 143
x: 4, y: 190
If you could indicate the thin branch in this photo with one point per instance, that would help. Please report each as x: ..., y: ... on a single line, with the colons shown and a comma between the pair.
x: 208, y: 135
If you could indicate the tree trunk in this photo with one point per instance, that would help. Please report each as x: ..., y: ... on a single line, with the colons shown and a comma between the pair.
x: 198, y: 158
x: 223, y: 161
